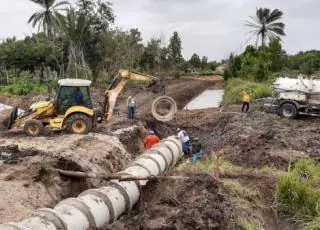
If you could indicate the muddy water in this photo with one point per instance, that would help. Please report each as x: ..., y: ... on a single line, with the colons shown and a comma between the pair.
x: 210, y: 98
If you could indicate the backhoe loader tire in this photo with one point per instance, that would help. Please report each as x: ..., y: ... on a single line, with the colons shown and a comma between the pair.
x: 288, y: 110
x: 172, y: 112
x: 79, y: 124
x: 33, y: 127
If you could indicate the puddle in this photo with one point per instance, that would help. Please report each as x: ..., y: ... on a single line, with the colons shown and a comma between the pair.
x: 210, y: 98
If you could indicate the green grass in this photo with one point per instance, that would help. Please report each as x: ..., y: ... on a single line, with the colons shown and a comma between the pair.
x: 298, y: 193
x: 249, y: 224
x: 234, y: 88
x: 314, y: 224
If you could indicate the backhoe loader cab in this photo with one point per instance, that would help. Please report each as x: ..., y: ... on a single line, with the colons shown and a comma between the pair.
x: 72, y: 92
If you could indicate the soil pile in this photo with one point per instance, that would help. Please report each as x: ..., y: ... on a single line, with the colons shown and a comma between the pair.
x: 26, y: 181
x: 195, y: 203
x: 22, y: 102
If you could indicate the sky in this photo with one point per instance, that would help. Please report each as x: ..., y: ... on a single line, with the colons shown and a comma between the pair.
x: 212, y: 28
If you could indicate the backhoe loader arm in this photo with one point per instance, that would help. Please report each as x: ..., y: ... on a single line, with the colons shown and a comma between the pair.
x: 117, y: 85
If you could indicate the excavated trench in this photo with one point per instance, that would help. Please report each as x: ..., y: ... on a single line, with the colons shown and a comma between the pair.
x: 27, y: 181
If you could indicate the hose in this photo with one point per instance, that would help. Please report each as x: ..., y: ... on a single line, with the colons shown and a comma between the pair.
x: 172, y: 111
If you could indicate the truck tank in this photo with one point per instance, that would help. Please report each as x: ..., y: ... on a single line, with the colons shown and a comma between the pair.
x: 299, y: 89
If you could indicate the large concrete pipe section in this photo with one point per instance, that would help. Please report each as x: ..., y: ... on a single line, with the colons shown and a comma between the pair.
x: 159, y: 104
x: 97, y: 208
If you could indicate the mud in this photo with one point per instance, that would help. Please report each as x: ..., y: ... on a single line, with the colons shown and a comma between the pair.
x: 196, y: 203
x: 254, y: 140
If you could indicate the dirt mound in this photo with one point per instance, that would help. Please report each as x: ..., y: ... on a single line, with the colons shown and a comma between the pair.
x: 132, y: 138
x: 195, y: 203
x: 27, y: 181
x: 22, y: 102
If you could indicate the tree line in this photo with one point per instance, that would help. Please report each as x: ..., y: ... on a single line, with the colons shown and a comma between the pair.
x: 78, y: 41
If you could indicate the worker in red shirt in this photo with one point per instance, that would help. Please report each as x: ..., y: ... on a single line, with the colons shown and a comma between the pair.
x: 150, y: 140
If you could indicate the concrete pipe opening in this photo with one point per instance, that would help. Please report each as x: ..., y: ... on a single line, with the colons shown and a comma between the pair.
x: 164, y: 108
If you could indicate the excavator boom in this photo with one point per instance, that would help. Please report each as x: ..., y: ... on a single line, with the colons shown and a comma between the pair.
x: 117, y: 85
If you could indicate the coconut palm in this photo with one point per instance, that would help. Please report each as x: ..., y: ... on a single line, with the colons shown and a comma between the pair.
x: 46, y: 18
x: 266, y: 25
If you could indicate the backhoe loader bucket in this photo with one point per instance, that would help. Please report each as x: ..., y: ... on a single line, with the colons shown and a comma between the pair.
x: 7, y: 117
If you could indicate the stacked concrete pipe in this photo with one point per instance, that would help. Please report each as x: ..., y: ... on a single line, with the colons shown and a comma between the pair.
x: 97, y: 208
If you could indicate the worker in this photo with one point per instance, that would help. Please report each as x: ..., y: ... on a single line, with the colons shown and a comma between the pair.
x: 185, y: 139
x: 150, y: 140
x: 196, y: 150
x: 77, y: 97
x: 134, y: 105
x: 130, y: 104
x: 246, y: 100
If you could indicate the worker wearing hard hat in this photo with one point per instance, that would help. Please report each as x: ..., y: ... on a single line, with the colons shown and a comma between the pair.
x: 150, y: 140
x: 185, y: 139
x: 246, y: 97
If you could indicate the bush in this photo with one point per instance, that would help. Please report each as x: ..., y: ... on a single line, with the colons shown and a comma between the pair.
x: 235, y: 86
x: 298, y: 194
x: 227, y: 75
x: 23, y: 86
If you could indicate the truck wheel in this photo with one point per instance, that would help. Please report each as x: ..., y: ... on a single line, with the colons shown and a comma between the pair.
x: 288, y: 110
x: 79, y: 124
x: 33, y: 127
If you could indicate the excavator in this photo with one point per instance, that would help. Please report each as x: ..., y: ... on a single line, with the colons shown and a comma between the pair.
x: 72, y: 109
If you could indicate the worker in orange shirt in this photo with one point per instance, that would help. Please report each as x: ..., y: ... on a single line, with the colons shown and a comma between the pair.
x: 246, y: 100
x: 150, y: 140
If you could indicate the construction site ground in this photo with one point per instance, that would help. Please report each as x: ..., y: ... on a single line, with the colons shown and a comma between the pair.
x: 227, y: 192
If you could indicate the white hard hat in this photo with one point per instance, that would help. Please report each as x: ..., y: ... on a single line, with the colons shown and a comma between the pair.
x: 178, y: 129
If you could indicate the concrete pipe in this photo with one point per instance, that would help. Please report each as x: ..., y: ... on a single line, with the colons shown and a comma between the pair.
x: 97, y: 208
x: 168, y: 116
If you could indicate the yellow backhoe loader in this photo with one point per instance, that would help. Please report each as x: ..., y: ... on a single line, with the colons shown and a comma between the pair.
x: 72, y: 108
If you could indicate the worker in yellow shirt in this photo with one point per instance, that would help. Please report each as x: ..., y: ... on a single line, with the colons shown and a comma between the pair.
x: 246, y: 100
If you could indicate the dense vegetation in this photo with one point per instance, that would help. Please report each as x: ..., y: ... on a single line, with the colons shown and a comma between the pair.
x: 298, y: 193
x: 79, y: 41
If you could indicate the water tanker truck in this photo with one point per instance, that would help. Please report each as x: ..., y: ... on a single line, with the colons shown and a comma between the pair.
x: 297, y: 96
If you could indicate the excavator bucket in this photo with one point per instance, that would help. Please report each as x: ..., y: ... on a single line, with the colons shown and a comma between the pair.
x: 7, y: 117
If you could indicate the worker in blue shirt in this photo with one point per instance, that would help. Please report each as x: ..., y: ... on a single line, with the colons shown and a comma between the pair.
x: 77, y: 96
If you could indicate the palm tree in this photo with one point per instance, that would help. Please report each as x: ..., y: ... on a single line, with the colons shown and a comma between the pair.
x: 75, y: 27
x: 266, y: 25
x: 46, y: 18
